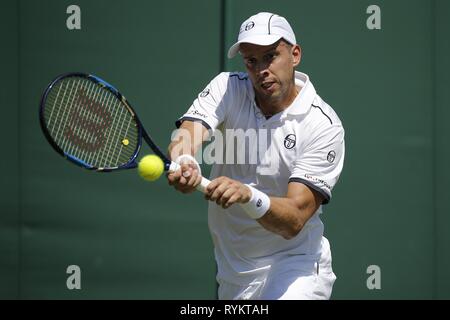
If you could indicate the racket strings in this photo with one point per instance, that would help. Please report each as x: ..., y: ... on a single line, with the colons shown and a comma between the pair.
x: 90, y: 123
x: 63, y: 117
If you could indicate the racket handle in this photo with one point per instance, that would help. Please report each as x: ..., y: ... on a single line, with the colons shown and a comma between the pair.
x: 203, y: 184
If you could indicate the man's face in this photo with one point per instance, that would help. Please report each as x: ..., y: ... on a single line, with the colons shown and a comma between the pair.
x: 271, y: 69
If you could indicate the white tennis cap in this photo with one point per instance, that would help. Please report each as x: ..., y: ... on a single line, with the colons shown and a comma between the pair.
x: 263, y: 29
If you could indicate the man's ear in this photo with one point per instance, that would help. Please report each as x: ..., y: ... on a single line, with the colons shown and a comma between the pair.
x: 296, y: 55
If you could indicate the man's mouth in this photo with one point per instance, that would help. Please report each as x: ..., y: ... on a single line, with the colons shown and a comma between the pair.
x: 267, y: 85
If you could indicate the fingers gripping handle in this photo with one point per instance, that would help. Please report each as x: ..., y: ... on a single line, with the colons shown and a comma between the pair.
x: 258, y: 205
x: 203, y: 184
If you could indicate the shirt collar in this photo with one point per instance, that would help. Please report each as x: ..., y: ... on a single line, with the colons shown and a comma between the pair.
x: 302, y: 103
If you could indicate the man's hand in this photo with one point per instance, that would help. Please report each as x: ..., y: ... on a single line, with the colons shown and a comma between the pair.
x: 186, y: 141
x: 186, y: 179
x: 225, y: 192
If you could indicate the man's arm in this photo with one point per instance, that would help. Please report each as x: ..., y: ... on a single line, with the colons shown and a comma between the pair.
x: 188, y: 140
x: 286, y: 215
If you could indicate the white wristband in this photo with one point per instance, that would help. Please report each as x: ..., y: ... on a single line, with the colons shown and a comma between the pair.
x: 258, y: 205
x: 184, y: 157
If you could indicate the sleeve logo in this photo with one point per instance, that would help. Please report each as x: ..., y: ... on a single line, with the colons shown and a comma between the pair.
x: 331, y: 156
x: 197, y: 113
x: 204, y: 93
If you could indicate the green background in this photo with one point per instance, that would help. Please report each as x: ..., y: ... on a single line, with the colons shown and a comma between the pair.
x: 133, y: 239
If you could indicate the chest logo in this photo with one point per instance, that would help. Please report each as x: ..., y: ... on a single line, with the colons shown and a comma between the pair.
x: 289, y: 141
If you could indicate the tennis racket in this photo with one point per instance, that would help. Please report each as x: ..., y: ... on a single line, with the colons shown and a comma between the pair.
x: 91, y: 124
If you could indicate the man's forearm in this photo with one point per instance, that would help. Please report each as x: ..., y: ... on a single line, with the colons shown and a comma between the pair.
x: 188, y: 139
x: 288, y: 215
x: 284, y: 217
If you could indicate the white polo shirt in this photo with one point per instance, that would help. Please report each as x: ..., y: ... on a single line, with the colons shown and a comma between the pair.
x: 305, y: 145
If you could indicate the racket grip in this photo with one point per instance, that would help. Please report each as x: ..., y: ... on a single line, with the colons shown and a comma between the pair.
x: 202, y: 186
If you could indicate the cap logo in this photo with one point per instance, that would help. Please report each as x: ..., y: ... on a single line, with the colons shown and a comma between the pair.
x: 249, y: 26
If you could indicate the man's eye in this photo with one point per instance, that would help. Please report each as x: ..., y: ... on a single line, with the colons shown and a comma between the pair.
x: 270, y: 56
x: 251, y: 61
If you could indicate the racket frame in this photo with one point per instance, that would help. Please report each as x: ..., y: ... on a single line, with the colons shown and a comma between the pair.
x: 141, y: 131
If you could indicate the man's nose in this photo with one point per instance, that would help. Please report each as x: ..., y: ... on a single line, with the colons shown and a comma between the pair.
x: 262, y: 69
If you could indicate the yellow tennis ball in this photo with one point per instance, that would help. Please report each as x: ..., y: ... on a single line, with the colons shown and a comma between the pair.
x: 150, y: 167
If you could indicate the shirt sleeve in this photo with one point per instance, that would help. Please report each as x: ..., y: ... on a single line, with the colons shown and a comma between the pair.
x: 321, y: 163
x: 210, y: 106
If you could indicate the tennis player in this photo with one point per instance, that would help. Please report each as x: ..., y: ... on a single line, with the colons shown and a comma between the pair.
x: 271, y: 246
